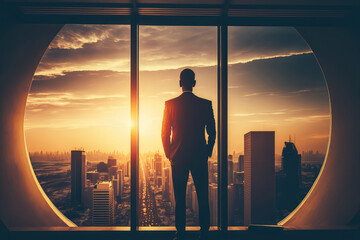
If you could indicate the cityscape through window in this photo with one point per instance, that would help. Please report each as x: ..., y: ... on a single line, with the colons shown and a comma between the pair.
x: 77, y: 122
x: 275, y: 85
x: 164, y: 52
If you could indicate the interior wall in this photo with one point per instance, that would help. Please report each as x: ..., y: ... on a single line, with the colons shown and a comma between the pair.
x: 22, y: 202
x: 335, y: 197
x: 333, y: 201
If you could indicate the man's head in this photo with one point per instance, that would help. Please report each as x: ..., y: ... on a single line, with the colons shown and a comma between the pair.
x: 187, y: 79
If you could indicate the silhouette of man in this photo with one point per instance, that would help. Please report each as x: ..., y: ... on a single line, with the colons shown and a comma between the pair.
x: 185, y: 119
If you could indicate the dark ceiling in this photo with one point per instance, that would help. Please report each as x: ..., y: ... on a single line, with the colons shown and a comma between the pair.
x: 187, y: 12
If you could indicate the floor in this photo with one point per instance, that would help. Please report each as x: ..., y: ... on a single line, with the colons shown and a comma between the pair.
x: 192, y: 235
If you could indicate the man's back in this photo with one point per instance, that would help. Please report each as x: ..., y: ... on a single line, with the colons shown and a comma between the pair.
x: 185, y: 119
x: 187, y: 116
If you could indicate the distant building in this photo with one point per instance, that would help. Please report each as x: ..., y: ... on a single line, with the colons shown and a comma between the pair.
x: 116, y: 187
x: 104, y: 176
x: 78, y: 177
x: 103, y: 211
x: 189, y: 189
x: 238, y: 177
x: 121, y: 182
x: 102, y: 167
x: 241, y: 163
x: 87, y: 196
x: 158, y: 164
x: 259, y: 178
x: 111, y: 162
x: 231, y: 203
x: 166, y: 182
x: 230, y: 169
x: 113, y: 172
x: 159, y: 181
x: 291, y: 169
x: 213, y: 195
x: 93, y: 176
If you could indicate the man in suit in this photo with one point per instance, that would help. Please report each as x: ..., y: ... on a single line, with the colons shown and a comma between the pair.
x: 185, y: 119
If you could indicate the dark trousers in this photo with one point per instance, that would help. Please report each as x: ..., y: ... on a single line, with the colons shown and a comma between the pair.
x: 180, y: 175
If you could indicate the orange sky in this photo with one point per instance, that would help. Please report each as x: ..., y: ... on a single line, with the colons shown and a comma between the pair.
x: 81, y: 89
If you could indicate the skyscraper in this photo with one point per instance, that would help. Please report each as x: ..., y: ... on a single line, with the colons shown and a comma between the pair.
x: 230, y: 169
x: 213, y: 194
x: 116, y: 187
x: 78, y: 175
x: 291, y: 169
x: 113, y: 171
x: 259, y: 175
x: 166, y: 182
x: 111, y: 162
x: 103, y: 204
x: 241, y: 163
x: 158, y: 164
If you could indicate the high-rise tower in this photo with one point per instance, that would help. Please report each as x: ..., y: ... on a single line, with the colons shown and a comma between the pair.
x: 78, y: 175
x: 291, y: 169
x: 259, y: 175
x: 103, y: 204
x: 111, y: 162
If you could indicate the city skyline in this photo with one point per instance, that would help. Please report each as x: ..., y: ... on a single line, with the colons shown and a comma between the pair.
x: 100, y: 190
x: 80, y: 93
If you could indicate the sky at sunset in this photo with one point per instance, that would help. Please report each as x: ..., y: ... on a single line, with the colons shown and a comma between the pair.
x: 80, y: 95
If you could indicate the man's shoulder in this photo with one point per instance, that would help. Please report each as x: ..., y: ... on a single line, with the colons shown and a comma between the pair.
x: 203, y: 100
x: 171, y: 101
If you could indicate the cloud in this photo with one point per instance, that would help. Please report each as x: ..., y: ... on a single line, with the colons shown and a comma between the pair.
x: 84, y: 82
x: 107, y: 47
x: 251, y: 94
x: 88, y: 47
x: 258, y: 114
x: 310, y: 118
x: 320, y: 136
x: 292, y: 75
x: 247, y: 43
x: 233, y: 87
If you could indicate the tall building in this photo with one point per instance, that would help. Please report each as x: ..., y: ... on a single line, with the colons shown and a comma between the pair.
x: 241, y: 163
x: 158, y: 164
x: 259, y: 175
x: 213, y: 194
x: 111, y: 162
x: 93, y: 176
x: 166, y: 182
x: 231, y: 203
x: 230, y: 169
x: 78, y: 175
x: 103, y: 204
x: 239, y: 199
x: 113, y: 172
x: 238, y: 177
x: 189, y: 189
x: 116, y: 187
x: 121, y: 182
x: 291, y: 169
x: 102, y: 167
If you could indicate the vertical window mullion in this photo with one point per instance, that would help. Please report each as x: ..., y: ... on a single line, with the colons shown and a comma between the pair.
x: 134, y: 38
x: 222, y: 126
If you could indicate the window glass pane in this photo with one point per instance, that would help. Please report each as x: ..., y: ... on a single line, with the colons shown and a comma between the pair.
x: 275, y: 84
x: 164, y: 53
x: 80, y: 100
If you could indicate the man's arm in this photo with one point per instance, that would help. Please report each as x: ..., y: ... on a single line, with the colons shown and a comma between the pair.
x: 210, y: 129
x: 166, y: 130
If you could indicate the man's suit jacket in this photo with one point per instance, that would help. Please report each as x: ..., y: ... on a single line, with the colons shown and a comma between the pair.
x: 185, y: 119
